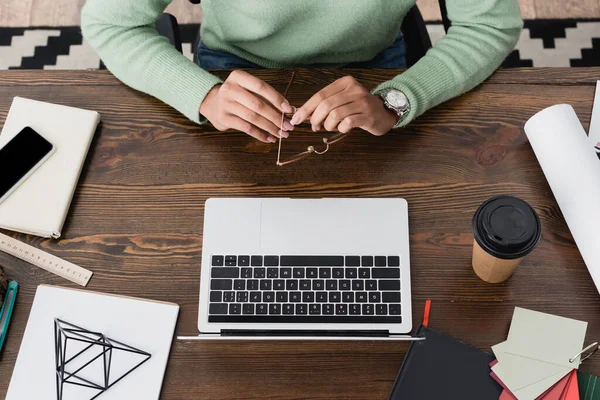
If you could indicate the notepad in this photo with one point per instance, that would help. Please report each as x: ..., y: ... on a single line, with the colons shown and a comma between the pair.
x: 142, y: 324
x: 39, y: 206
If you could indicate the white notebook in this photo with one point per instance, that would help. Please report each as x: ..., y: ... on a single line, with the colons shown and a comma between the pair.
x: 145, y: 325
x: 40, y: 205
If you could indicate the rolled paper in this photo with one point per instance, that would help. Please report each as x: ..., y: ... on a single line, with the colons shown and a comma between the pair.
x: 572, y: 169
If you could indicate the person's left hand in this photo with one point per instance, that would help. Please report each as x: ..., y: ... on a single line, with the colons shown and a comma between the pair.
x: 346, y: 104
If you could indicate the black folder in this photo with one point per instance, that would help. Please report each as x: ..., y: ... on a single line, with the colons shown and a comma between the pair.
x: 441, y: 367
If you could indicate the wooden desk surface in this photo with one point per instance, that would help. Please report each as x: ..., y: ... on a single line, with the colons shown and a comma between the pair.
x: 137, y: 218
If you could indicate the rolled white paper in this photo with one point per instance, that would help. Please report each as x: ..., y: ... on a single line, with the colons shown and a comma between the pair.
x: 572, y: 169
x: 595, y: 121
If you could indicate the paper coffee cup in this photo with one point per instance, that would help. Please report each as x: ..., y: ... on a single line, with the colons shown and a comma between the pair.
x: 505, y: 229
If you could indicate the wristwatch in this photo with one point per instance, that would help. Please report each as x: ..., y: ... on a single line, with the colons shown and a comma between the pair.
x: 395, y: 101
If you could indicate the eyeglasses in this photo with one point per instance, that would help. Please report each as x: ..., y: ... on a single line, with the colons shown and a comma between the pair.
x: 310, y: 149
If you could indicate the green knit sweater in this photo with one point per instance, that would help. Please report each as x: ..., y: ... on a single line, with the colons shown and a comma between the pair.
x: 286, y: 34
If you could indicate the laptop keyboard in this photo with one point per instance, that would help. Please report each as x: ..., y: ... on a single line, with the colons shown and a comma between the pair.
x: 305, y: 289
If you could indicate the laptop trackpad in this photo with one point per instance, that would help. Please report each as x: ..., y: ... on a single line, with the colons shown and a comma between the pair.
x: 320, y: 226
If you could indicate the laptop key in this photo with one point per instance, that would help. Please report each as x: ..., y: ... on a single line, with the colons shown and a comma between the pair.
x: 228, y: 297
x: 301, y: 309
x: 282, y: 297
x: 272, y: 272
x: 380, y: 261
x: 230, y: 261
x: 252, y: 284
x: 244, y: 261
x: 371, y: 285
x: 256, y: 261
x: 225, y: 273
x: 217, y: 309
x: 312, y: 272
x: 390, y: 297
x: 291, y: 284
x: 381, y: 309
x: 393, y: 261
x: 367, y: 261
x: 298, y: 272
x: 262, y: 308
x: 278, y: 284
x: 217, y: 261
x: 358, y: 285
x: 374, y: 297
x: 354, y: 309
x: 345, y: 285
x: 351, y: 272
x: 305, y: 284
x: 288, y: 308
x: 216, y: 297
x: 331, y: 285
x: 352, y: 261
x: 364, y: 273
x: 265, y: 284
x: 271, y: 261
x: 338, y: 273
x: 334, y: 297
x: 295, y: 297
x: 285, y: 273
x: 389, y: 285
x: 235, y: 308
x: 308, y: 297
x: 368, y: 309
x: 248, y: 308
x: 324, y: 272
x: 385, y: 272
x: 259, y: 273
x: 312, y: 261
x: 239, y: 284
x: 314, y: 309
x: 328, y: 309
x: 341, y: 309
x: 241, y: 297
x: 255, y: 297
x: 361, y: 297
x: 221, y: 284
x: 321, y: 297
x: 274, y: 309
x: 395, y: 309
x: 348, y: 297
x: 318, y: 284
x: 269, y: 297
x: 246, y: 273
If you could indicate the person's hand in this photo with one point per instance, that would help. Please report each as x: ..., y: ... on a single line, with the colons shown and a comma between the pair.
x: 346, y: 104
x: 247, y: 104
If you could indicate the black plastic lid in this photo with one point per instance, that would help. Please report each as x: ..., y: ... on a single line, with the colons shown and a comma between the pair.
x: 506, y: 227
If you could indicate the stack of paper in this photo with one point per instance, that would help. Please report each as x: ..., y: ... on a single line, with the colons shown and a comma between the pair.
x: 533, y: 363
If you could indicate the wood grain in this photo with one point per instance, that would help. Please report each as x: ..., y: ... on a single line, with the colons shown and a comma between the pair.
x: 54, y: 12
x: 137, y: 217
x: 567, y: 9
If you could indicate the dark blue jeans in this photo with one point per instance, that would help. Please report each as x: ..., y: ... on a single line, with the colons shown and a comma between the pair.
x: 392, y: 57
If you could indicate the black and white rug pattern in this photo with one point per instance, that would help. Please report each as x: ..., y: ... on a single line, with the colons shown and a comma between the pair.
x: 543, y: 43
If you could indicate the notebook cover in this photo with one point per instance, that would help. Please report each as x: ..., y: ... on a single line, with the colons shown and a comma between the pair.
x: 589, y: 386
x: 441, y: 367
x: 40, y: 205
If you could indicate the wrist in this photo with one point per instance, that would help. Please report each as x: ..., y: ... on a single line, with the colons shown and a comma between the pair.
x: 206, y: 106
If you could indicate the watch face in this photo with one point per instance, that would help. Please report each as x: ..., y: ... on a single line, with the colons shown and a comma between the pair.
x: 397, y: 99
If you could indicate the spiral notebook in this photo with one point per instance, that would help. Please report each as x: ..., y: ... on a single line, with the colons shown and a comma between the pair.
x: 40, y: 205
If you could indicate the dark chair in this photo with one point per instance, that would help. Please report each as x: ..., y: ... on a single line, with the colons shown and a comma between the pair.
x: 413, y: 27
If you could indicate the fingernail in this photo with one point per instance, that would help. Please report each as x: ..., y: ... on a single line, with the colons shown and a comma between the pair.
x: 271, y: 139
x: 288, y: 126
x: 296, y: 119
x: 314, y: 128
x: 283, y: 134
x: 286, y: 107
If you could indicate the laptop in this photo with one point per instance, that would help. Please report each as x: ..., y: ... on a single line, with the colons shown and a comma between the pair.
x: 280, y: 268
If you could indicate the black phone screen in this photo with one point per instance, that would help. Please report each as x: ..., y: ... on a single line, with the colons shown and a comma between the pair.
x: 19, y: 156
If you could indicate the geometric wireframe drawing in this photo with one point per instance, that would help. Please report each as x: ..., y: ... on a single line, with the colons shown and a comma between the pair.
x: 71, y: 369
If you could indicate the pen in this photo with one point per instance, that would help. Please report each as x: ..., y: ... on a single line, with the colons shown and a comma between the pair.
x: 7, y: 308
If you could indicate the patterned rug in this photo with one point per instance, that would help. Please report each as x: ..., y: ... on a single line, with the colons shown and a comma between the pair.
x: 543, y: 43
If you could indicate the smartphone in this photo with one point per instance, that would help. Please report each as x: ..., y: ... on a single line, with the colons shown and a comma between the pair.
x: 20, y: 157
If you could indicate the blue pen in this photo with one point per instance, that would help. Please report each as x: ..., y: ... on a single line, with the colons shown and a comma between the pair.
x: 7, y: 308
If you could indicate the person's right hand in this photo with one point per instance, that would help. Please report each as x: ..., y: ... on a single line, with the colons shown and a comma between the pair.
x: 247, y: 104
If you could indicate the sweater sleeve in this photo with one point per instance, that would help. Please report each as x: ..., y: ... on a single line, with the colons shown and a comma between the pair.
x: 483, y: 33
x: 123, y: 34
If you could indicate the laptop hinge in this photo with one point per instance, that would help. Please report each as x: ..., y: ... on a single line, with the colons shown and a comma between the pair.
x: 297, y: 333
